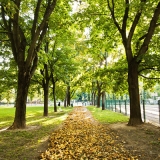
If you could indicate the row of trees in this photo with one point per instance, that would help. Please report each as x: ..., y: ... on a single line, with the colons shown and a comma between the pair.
x: 28, y: 30
x: 98, y: 48
x: 135, y: 26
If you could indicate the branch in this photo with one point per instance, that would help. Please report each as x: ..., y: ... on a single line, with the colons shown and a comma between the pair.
x: 154, y: 68
x: 137, y: 43
x: 125, y: 17
x: 148, y: 77
x: 98, y: 14
x: 134, y: 24
x: 158, y: 24
x: 8, y: 27
x: 113, y: 15
x: 36, y: 13
x: 40, y: 28
x: 15, y: 23
x: 35, y: 58
x: 148, y: 68
x: 151, y: 30
x: 34, y: 66
x: 42, y: 36
x: 3, y: 31
x: 4, y: 18
x: 35, y: 80
x: 23, y: 41
x: 4, y: 40
x: 144, y: 36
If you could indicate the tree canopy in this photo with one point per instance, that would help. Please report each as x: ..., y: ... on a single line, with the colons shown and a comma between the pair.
x: 90, y: 46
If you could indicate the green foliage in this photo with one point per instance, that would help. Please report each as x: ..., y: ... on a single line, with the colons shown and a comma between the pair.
x: 76, y: 37
x: 8, y: 73
x: 9, y: 7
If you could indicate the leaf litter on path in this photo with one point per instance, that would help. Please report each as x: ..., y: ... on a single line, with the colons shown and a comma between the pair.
x: 82, y: 138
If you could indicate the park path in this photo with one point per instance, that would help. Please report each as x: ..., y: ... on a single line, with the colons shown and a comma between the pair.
x: 80, y: 137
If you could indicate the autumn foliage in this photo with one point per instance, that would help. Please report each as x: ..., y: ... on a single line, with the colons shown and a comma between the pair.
x: 82, y: 138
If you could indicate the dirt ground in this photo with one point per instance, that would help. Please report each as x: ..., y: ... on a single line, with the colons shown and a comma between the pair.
x: 142, y: 141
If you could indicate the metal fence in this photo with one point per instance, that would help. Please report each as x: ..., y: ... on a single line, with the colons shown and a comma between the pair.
x: 150, y: 113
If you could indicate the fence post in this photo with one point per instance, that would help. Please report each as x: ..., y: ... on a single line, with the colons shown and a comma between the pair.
x: 159, y: 110
x: 144, y: 114
x: 125, y: 107
x: 159, y: 113
x: 106, y: 104
x: 120, y: 105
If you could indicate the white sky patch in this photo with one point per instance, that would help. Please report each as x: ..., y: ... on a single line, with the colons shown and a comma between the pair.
x: 75, y: 7
x: 78, y: 6
x: 87, y: 32
x: 1, y: 59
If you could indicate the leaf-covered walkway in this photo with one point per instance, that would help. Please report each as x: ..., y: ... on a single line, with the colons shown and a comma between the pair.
x: 82, y: 138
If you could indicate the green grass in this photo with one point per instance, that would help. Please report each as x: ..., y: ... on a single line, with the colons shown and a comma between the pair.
x: 107, y: 116
x: 25, y: 144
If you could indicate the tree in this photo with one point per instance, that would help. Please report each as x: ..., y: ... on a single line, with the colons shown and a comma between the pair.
x: 134, y: 52
x: 26, y: 28
x: 103, y: 100
x: 127, y: 21
x: 45, y: 85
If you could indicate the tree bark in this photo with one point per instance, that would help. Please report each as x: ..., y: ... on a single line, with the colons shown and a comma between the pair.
x: 46, y: 79
x: 135, y: 110
x: 98, y: 100
x: 21, y: 99
x: 103, y: 100
x: 45, y: 85
x: 94, y: 98
x: 68, y: 96
x: 46, y: 89
x: 99, y: 84
x: 54, y: 91
x: 65, y: 104
x: 54, y: 97
x: 65, y: 100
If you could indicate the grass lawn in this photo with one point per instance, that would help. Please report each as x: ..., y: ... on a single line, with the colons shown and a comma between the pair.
x: 107, y: 116
x: 26, y: 144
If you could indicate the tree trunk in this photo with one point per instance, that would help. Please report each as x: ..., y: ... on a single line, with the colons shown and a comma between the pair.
x: 98, y: 94
x: 103, y: 100
x: 89, y: 97
x: 54, y: 97
x: 68, y: 96
x: 46, y: 89
x: 94, y: 98
x: 135, y: 111
x: 98, y: 100
x: 45, y: 85
x: 65, y: 104
x: 21, y: 99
